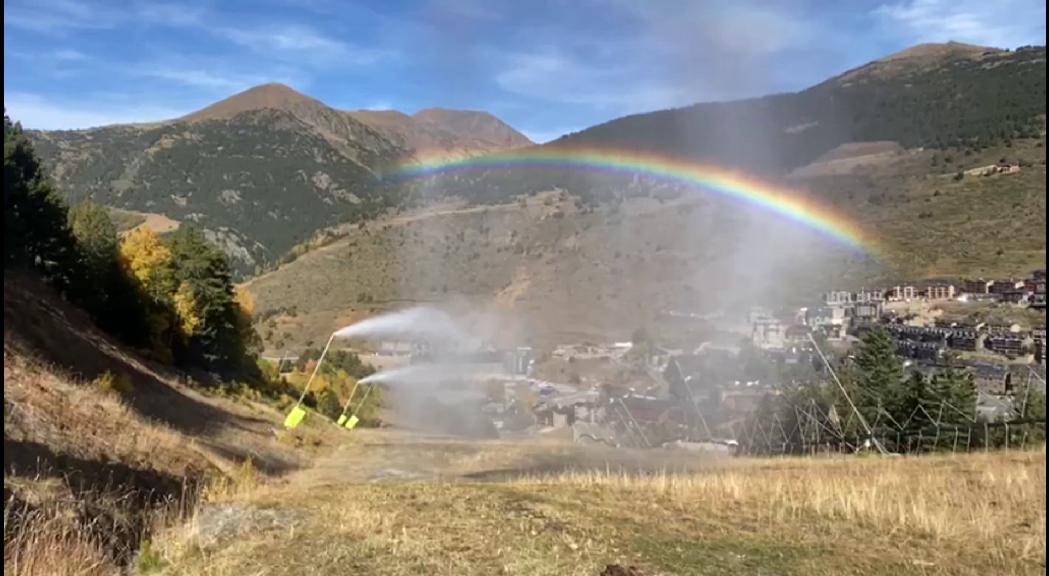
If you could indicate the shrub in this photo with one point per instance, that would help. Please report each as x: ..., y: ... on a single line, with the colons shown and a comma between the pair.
x: 114, y: 383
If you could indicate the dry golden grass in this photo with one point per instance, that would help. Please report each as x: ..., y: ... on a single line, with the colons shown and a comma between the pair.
x: 46, y: 544
x: 967, y: 515
x: 994, y: 501
x: 88, y: 422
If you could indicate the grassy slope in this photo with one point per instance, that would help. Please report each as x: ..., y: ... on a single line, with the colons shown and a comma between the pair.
x: 85, y: 469
x: 935, y: 226
x: 980, y: 514
x: 576, y: 274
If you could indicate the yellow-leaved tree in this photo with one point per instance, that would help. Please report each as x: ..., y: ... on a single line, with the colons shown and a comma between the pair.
x: 245, y: 314
x: 187, y: 310
x: 149, y: 264
x: 148, y: 260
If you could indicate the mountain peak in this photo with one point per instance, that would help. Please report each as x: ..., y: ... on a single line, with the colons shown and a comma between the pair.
x: 474, y: 124
x: 920, y: 57
x: 264, y: 96
x: 933, y: 52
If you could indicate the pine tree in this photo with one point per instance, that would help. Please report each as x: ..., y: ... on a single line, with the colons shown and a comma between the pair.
x: 878, y: 377
x: 206, y: 289
x: 36, y: 228
x: 956, y: 391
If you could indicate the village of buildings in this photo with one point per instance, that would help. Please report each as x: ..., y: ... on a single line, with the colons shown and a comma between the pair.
x: 705, y: 392
x: 646, y: 394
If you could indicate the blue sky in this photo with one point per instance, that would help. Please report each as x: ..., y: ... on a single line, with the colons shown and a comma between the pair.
x: 545, y: 66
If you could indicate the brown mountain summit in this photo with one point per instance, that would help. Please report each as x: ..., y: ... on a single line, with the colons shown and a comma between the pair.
x: 433, y: 130
x: 266, y: 96
x: 922, y: 57
x: 456, y: 132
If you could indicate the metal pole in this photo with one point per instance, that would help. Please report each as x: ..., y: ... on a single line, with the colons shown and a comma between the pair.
x: 316, y: 369
x: 353, y: 391
x: 845, y: 393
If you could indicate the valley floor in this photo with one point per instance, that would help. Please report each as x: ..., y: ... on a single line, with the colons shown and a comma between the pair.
x: 388, y: 503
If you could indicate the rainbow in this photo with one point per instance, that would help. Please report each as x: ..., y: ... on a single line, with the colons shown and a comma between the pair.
x: 731, y: 184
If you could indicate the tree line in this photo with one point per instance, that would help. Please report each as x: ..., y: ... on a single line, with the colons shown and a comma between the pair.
x: 878, y: 401
x: 171, y: 295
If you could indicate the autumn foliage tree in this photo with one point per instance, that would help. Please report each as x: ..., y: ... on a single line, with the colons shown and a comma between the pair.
x: 196, y: 316
x: 173, y: 294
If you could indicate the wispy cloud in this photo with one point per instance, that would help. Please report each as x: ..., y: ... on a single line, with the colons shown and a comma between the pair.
x: 554, y: 76
x: 739, y: 28
x: 42, y: 113
x: 1002, y: 24
x: 301, y: 44
x: 69, y: 55
x: 64, y: 16
x: 52, y: 16
x: 204, y: 79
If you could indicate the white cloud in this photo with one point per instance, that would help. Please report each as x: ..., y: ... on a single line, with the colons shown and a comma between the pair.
x: 301, y: 44
x: 743, y: 28
x: 199, y: 78
x: 40, y: 113
x: 69, y: 55
x: 53, y: 16
x: 61, y: 16
x: 556, y: 77
x: 1001, y: 24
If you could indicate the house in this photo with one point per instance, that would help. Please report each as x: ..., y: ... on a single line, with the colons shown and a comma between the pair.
x: 1006, y: 286
x: 837, y: 298
x: 820, y: 317
x: 918, y: 350
x: 966, y: 340
x: 903, y: 293
x: 1038, y: 301
x: 905, y: 332
x: 1038, y: 337
x: 768, y: 334
x: 1017, y: 297
x: 867, y: 312
x: 1039, y: 275
x: 796, y: 335
x: 1011, y: 345
x: 865, y: 296
x: 1005, y: 167
x: 977, y: 287
x: 991, y: 377
x: 940, y: 292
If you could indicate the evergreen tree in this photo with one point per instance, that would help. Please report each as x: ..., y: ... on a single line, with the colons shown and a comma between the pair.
x: 107, y: 291
x: 919, y: 402
x: 877, y: 376
x: 205, y: 302
x: 956, y: 389
x: 36, y: 230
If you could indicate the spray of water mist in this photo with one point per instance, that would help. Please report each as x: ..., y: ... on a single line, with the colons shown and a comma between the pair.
x: 444, y: 394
